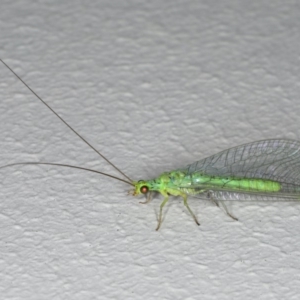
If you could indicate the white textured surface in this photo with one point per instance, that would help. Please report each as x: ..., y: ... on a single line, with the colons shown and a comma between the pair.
x: 154, y: 85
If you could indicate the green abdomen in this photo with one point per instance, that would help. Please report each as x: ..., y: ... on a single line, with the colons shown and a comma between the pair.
x: 259, y: 185
x: 241, y: 184
x: 228, y: 183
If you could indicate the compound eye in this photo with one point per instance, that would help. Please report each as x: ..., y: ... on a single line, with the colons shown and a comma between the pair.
x: 144, y: 189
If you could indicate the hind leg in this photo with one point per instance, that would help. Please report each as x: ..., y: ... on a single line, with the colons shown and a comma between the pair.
x: 210, y: 196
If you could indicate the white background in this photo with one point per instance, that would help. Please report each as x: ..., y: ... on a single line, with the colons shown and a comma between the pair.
x: 153, y: 85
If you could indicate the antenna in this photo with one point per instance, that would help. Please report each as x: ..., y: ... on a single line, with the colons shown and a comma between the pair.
x: 49, y: 107
x: 68, y: 166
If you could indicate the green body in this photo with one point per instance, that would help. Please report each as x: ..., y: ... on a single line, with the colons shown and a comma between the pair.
x: 267, y: 170
x: 178, y: 182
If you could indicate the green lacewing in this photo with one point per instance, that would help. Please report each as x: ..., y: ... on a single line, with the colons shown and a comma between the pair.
x: 261, y: 170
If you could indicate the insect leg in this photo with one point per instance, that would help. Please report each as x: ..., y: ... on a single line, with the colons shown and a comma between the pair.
x: 227, y: 212
x: 210, y: 196
x: 149, y: 198
x: 212, y: 200
x: 166, y: 199
x: 187, y: 206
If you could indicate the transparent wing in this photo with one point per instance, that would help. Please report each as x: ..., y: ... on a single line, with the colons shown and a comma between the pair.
x: 274, y: 159
x: 219, y: 195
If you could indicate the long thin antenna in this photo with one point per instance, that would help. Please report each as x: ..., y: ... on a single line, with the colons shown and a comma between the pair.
x: 83, y: 139
x: 68, y: 166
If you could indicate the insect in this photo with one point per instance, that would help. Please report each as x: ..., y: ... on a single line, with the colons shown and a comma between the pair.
x: 261, y: 170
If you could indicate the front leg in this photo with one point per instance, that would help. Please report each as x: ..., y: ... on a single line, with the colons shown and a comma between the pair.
x: 166, y: 199
x: 149, y: 198
x: 175, y: 192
